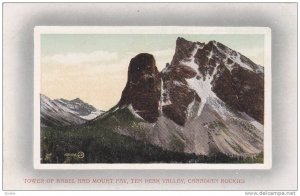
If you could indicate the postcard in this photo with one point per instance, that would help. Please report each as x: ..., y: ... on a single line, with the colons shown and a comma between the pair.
x: 137, y: 97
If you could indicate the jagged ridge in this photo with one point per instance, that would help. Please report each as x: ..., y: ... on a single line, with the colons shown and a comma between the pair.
x: 62, y: 112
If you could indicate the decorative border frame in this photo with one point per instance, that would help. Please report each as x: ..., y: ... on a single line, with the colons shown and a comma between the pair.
x: 154, y: 30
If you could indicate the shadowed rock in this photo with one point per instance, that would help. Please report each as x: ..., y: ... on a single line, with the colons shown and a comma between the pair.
x: 142, y: 90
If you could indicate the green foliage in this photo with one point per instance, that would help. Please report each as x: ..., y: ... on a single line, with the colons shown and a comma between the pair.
x: 102, y: 146
x: 176, y: 144
x: 251, y: 159
x: 218, y: 125
x: 137, y: 129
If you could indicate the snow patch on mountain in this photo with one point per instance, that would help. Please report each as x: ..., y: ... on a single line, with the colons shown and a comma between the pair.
x: 190, y: 108
x: 134, y: 112
x: 203, y: 87
x: 191, y: 61
x: 92, y: 115
x: 164, y: 97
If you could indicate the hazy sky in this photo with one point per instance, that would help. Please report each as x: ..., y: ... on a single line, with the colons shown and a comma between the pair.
x: 94, y: 67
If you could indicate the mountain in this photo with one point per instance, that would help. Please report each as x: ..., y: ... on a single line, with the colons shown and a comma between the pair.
x: 208, y: 100
x: 206, y: 105
x: 143, y: 88
x: 80, y: 108
x: 62, y: 112
x: 199, y: 72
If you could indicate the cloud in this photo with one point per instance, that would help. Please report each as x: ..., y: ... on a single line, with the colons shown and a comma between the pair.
x: 93, y: 58
x: 161, y: 57
x: 164, y: 53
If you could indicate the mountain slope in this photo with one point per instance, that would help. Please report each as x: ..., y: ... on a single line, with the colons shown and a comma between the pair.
x: 61, y: 112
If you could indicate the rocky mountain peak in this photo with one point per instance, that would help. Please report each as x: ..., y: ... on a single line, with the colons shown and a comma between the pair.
x: 214, y: 70
x: 197, y: 73
x: 142, y: 90
x: 77, y: 100
x: 184, y: 49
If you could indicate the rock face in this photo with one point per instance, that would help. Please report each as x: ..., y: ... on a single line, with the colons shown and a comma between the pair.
x: 62, y: 112
x: 200, y: 70
x: 177, y: 95
x: 143, y: 87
